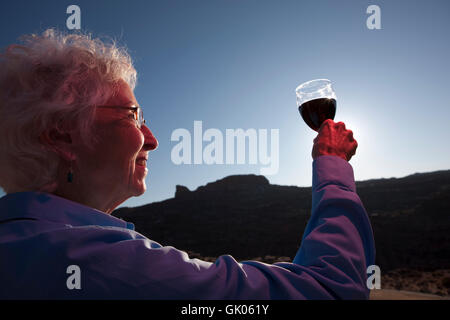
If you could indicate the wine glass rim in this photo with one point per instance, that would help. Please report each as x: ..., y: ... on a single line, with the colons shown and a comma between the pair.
x: 307, y: 83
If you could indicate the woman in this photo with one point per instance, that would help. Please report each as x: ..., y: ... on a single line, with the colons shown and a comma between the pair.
x: 74, y: 146
x: 58, y: 113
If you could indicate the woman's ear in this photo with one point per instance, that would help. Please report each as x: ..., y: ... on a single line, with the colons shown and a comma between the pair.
x: 58, y: 142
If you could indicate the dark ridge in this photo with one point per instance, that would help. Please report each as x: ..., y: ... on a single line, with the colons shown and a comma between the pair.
x: 247, y: 217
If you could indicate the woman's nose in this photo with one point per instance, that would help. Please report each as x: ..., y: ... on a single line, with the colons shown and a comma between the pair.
x: 150, y: 142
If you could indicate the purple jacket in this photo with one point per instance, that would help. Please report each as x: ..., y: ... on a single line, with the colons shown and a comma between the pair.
x: 41, y: 235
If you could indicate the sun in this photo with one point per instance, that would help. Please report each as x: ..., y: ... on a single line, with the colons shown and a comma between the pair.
x: 359, y: 126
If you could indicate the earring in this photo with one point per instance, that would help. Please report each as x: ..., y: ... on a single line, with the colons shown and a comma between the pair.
x: 70, y: 174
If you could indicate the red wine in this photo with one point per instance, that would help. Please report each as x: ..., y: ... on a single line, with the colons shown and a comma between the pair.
x: 316, y: 111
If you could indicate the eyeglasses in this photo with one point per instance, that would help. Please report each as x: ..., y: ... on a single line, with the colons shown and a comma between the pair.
x: 137, y: 111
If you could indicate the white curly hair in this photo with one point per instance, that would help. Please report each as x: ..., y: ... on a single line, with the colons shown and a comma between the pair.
x: 52, y: 81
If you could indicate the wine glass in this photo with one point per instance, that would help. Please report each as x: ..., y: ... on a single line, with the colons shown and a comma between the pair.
x: 316, y: 102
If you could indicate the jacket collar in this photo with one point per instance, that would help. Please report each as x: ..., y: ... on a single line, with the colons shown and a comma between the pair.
x: 45, y: 206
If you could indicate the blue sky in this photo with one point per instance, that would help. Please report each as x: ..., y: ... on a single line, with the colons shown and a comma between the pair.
x: 235, y: 64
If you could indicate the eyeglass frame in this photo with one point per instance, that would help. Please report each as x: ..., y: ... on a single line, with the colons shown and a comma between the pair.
x: 138, y: 113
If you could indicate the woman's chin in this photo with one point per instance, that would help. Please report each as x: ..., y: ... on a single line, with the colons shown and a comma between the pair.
x: 140, y: 174
x: 139, y: 188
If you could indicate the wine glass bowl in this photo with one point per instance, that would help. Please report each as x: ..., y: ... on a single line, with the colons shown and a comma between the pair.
x: 316, y: 102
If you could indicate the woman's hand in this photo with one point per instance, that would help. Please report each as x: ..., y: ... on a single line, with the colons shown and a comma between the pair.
x: 334, y: 140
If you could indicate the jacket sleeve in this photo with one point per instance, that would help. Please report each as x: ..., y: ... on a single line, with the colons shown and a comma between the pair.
x: 337, y: 245
x: 330, y: 264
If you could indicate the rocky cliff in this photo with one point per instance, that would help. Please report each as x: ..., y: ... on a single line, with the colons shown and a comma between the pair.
x: 248, y: 217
